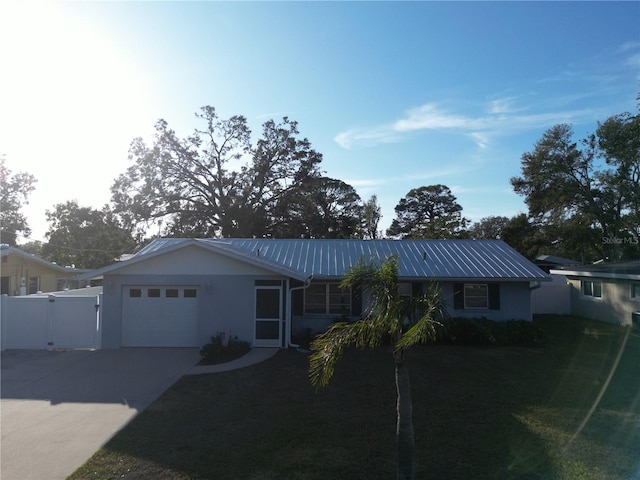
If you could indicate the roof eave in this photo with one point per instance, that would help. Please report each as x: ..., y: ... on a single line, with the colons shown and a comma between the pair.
x: 613, y: 276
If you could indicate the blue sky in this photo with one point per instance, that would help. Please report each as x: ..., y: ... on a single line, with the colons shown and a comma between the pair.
x: 394, y: 95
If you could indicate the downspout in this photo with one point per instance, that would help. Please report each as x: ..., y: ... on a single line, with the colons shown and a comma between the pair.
x: 289, y: 319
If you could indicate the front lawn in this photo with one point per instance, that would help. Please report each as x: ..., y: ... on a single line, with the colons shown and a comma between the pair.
x: 568, y: 410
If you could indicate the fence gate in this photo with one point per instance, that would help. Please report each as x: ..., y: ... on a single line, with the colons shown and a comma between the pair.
x: 50, y: 322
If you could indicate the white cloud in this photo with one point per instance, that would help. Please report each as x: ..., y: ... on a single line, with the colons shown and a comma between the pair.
x: 367, y: 137
x: 502, y: 120
x: 502, y: 105
x: 429, y: 117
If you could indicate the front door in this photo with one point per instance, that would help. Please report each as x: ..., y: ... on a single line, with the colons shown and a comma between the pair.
x: 268, y: 331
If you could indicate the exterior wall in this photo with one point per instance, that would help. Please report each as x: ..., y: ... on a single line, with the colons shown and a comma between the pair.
x: 615, y: 306
x: 226, y: 292
x: 192, y: 260
x: 515, y: 303
x: 17, y: 267
x: 552, y: 297
x: 225, y: 303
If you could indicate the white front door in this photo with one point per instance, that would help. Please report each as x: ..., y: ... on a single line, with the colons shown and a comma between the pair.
x: 268, y: 329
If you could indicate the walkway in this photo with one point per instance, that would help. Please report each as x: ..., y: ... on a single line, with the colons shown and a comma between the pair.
x: 255, y: 355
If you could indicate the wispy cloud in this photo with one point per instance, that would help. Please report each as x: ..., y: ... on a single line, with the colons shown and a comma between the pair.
x: 502, y: 106
x: 504, y: 117
x: 430, y: 174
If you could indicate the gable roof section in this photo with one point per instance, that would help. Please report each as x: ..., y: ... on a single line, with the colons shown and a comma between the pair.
x: 163, y: 246
x: 619, y: 270
x: 7, y: 250
x: 330, y: 259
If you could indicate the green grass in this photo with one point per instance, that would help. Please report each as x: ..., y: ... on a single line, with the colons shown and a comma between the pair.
x: 569, y: 410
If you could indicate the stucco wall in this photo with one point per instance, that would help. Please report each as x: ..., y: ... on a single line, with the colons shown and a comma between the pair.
x: 615, y: 306
x: 225, y: 303
x: 515, y: 303
x: 17, y: 267
x: 192, y: 260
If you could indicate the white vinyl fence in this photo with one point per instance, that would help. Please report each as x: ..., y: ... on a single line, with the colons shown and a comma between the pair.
x: 50, y: 322
x: 552, y: 297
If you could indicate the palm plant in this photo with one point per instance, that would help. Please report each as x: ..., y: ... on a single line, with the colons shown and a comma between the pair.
x: 403, y: 321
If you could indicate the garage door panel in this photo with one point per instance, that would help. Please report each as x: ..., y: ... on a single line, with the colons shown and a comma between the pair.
x: 160, y: 316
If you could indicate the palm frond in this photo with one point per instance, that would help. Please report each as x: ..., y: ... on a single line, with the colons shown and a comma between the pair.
x: 428, y: 312
x: 328, y: 347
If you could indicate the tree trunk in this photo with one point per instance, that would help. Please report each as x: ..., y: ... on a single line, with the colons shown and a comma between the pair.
x: 404, y: 430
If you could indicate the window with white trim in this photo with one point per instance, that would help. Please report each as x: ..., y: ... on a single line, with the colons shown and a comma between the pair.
x: 635, y: 290
x: 591, y: 288
x: 327, y: 299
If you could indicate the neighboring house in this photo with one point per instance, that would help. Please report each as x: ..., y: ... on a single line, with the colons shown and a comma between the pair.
x: 607, y: 291
x: 548, y: 262
x: 180, y: 292
x: 23, y: 273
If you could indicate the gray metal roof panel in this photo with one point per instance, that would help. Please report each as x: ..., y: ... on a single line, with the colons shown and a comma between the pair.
x: 438, y: 259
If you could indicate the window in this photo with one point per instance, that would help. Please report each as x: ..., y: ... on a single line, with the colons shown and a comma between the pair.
x: 135, y: 292
x: 171, y: 293
x: 153, y: 293
x: 591, y: 288
x: 327, y: 298
x: 405, y: 290
x: 635, y: 290
x: 34, y: 283
x: 476, y: 296
x: 190, y: 293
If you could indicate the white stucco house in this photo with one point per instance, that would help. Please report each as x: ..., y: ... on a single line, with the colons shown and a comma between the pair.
x: 608, y: 292
x: 179, y: 292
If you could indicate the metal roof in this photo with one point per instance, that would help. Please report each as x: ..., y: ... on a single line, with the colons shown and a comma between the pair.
x: 329, y: 258
x: 622, y: 270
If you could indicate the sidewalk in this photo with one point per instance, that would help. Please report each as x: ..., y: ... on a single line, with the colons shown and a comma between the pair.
x: 255, y: 355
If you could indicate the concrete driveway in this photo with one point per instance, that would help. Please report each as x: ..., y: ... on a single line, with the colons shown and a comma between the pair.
x: 58, y: 408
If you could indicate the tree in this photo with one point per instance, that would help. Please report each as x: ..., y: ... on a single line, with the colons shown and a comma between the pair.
x: 34, y: 247
x: 522, y: 235
x: 372, y: 213
x: 320, y: 207
x: 14, y: 193
x: 405, y: 321
x: 428, y: 212
x: 619, y: 143
x: 488, y: 228
x: 85, y: 237
x: 590, y: 191
x: 203, y: 185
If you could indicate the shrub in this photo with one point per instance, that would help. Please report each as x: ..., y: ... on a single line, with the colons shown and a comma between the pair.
x: 216, y: 352
x: 482, y: 331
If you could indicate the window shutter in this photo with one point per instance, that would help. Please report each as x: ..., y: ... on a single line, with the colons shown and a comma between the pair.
x: 356, y: 301
x: 416, y: 289
x: 458, y: 296
x: 297, y: 302
x: 494, y: 296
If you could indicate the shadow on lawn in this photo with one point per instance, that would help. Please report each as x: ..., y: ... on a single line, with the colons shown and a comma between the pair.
x: 478, y: 413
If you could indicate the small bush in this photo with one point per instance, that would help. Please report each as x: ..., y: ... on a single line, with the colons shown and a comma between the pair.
x: 482, y: 331
x: 217, y: 352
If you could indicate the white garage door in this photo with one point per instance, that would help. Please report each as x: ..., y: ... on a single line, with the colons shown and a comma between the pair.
x: 160, y: 316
